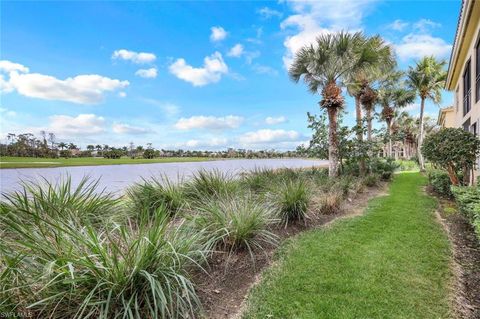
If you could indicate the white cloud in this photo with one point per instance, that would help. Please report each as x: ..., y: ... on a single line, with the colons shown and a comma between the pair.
x: 135, y: 57
x: 169, y: 108
x: 423, y: 25
x: 236, y: 51
x: 218, y: 34
x: 398, y: 25
x: 266, y: 136
x: 205, y: 143
x: 267, y: 13
x: 275, y: 120
x: 121, y: 128
x: 81, y: 89
x: 147, y: 73
x: 416, y: 46
x: 209, y: 122
x: 83, y: 124
x: 211, y: 72
x: 122, y: 94
x: 313, y: 18
x: 264, y: 69
x: 8, y: 66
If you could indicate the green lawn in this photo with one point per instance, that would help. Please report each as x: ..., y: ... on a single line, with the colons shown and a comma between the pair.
x: 392, y: 262
x: 25, y: 162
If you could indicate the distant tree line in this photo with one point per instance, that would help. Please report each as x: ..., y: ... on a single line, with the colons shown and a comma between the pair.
x: 46, y: 146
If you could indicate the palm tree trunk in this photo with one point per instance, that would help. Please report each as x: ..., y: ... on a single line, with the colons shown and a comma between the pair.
x: 369, y: 125
x: 358, y: 111
x: 332, y: 142
x: 420, y: 138
x: 389, y: 129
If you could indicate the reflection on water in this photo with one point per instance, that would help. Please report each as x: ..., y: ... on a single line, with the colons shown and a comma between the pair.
x: 116, y: 178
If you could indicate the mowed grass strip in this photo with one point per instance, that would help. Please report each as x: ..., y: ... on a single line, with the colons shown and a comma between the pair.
x: 392, y: 262
x: 33, y: 162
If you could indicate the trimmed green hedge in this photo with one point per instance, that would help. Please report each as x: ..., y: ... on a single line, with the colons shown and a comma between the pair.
x: 468, y: 200
x: 440, y: 182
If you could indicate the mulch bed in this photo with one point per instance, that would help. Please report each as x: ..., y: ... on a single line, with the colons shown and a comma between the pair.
x: 224, y: 288
x: 466, y: 260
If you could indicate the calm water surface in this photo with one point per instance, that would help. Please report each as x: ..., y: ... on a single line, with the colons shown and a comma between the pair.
x: 115, y: 178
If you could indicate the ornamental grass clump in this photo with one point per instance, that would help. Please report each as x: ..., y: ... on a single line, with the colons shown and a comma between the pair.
x: 233, y: 223
x: 290, y: 199
x: 151, y: 194
x: 83, y: 202
x: 259, y: 179
x: 55, y: 266
x: 330, y: 202
x: 210, y: 184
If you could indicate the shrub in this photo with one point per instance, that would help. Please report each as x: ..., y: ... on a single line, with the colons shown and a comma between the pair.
x: 235, y: 223
x: 151, y: 194
x: 371, y: 180
x: 330, y: 202
x: 291, y: 198
x: 206, y: 184
x: 468, y: 200
x: 440, y: 182
x: 453, y: 149
x: 57, y: 267
x: 384, y: 168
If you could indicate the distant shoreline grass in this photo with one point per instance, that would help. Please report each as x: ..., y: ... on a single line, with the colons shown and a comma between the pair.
x: 33, y: 162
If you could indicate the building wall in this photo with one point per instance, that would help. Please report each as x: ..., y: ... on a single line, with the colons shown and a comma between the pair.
x: 466, y: 53
x: 472, y: 118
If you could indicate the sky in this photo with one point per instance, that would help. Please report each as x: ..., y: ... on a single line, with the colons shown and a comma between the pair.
x: 188, y: 74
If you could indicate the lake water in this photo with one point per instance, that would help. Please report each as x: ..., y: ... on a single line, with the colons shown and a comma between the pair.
x: 115, y: 178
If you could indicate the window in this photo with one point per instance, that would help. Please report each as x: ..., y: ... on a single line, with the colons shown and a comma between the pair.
x: 466, y: 125
x: 474, y: 129
x: 477, y: 70
x: 467, y: 88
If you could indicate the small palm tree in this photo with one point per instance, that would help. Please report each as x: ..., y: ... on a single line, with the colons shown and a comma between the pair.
x: 327, y: 65
x: 427, y: 79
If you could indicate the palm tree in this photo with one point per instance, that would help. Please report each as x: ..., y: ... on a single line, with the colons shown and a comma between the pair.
x: 359, y: 86
x: 325, y: 66
x: 427, y: 79
x: 62, y: 145
x: 393, y: 95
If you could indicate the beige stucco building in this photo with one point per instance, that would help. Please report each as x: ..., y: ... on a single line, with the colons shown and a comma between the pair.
x: 464, y: 72
x: 446, y: 117
x: 464, y: 68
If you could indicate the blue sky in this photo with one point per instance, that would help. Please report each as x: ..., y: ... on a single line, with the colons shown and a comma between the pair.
x: 191, y: 75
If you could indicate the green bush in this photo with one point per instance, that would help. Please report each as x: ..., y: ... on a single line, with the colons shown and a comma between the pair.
x: 235, y: 223
x: 55, y: 266
x: 384, y: 168
x: 151, y: 194
x: 440, y: 182
x: 468, y: 200
x: 290, y: 199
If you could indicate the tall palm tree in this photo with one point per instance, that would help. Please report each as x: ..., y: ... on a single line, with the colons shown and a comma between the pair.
x: 427, y: 78
x: 359, y: 86
x: 325, y: 66
x: 392, y: 96
x: 62, y: 145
